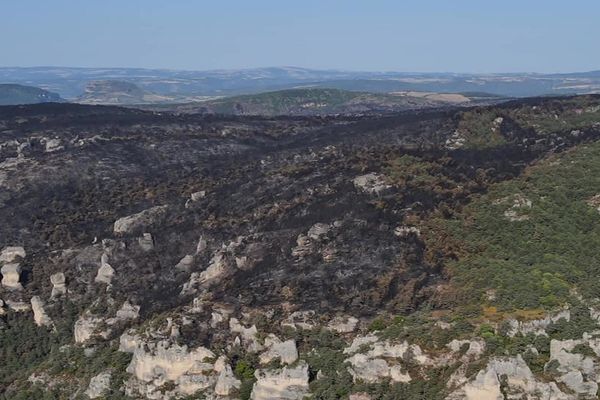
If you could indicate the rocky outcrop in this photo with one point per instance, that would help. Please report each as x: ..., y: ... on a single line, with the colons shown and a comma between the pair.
x: 87, y: 327
x: 515, y: 375
x: 343, y: 324
x: 373, y: 360
x: 286, y: 384
x: 518, y: 211
x: 59, y: 284
x: 11, y: 276
x: 40, y: 316
x: 286, y: 351
x: 11, y: 254
x: 371, y: 183
x: 156, y: 363
x: 136, y: 222
x: 577, y: 371
x: 105, y: 272
x: 536, y: 326
x: 227, y: 383
x: 249, y: 335
x: 99, y: 385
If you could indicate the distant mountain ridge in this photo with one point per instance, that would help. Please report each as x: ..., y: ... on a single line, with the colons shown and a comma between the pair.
x: 318, y: 101
x: 19, y: 94
x: 71, y: 82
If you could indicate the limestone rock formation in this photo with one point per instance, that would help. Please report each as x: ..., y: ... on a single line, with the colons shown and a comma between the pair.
x: 226, y: 382
x: 59, y: 286
x: 343, y: 324
x: 11, y: 254
x: 86, y: 327
x: 518, y: 378
x: 11, y: 275
x: 99, y: 385
x: 286, y: 351
x: 105, y: 272
x: 40, y: 316
x: 286, y: 384
x: 371, y: 183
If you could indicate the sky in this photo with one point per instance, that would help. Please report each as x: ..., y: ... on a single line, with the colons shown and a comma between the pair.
x: 362, y: 35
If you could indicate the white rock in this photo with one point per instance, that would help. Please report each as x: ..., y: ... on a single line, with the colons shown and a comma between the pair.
x: 18, y: 306
x: 52, y: 145
x: 59, y: 286
x: 520, y: 381
x: 185, y: 264
x: 249, y: 335
x: 226, y: 382
x: 371, y: 183
x: 367, y: 369
x: 405, y: 231
x: 11, y: 274
x: 285, y: 351
x: 86, y: 327
x: 318, y: 230
x: 105, y: 272
x: 40, y: 316
x: 128, y: 311
x: 286, y: 384
x: 198, y: 195
x: 99, y: 385
x: 300, y: 319
x: 168, y: 360
x: 11, y: 254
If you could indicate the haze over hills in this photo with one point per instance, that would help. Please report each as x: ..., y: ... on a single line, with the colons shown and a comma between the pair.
x: 20, y: 94
x: 71, y: 82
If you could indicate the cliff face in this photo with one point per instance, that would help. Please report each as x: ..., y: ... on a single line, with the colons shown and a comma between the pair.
x: 167, y: 256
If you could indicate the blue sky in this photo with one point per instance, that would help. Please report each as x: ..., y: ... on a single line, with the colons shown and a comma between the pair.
x: 419, y: 35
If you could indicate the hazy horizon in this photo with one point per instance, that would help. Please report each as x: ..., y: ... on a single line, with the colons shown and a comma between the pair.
x: 427, y: 37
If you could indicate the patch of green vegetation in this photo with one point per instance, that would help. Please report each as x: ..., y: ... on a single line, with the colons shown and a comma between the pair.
x: 559, y: 115
x: 23, y: 346
x: 282, y: 101
x: 535, y: 262
x: 479, y: 129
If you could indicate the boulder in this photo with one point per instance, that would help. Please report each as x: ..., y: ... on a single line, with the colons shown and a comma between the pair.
x: 286, y: 384
x: 11, y: 274
x: 139, y: 221
x: 128, y: 311
x: 99, y: 385
x: 40, y: 316
x: 105, y: 272
x: 59, y: 286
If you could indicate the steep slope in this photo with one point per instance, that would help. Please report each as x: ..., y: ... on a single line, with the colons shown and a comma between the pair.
x: 18, y: 94
x: 422, y: 255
